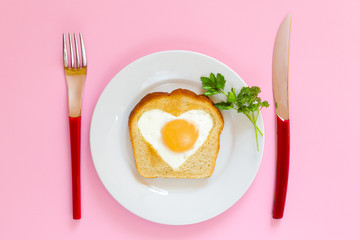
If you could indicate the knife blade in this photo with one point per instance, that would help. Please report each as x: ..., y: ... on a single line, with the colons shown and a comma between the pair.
x: 280, y: 80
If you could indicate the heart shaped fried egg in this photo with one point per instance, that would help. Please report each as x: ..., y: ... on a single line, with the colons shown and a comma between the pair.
x: 175, y: 138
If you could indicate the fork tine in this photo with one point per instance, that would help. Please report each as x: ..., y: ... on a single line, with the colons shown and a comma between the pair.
x: 71, y: 51
x: 83, y: 54
x: 66, y: 63
x: 77, y: 52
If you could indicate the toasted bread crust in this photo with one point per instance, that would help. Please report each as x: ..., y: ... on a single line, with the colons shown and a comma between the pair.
x: 187, y: 100
x: 180, y: 92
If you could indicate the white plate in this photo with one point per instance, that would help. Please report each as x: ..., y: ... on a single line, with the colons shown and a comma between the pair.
x: 171, y: 201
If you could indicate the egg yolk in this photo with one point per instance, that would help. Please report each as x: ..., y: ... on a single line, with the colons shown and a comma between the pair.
x: 179, y: 135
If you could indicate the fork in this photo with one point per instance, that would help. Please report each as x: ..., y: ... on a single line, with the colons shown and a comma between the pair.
x: 75, y: 74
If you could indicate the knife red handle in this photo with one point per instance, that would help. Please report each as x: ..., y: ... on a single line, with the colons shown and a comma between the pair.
x: 75, y: 133
x: 282, y: 170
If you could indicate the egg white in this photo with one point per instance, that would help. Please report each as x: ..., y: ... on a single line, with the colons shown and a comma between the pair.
x: 151, y: 122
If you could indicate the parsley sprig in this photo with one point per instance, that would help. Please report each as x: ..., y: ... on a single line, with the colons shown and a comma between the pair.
x: 246, y: 101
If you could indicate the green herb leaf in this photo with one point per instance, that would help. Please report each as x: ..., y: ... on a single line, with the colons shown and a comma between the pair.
x: 220, y: 81
x: 211, y: 91
x: 213, y: 79
x: 246, y: 101
x: 265, y: 104
x: 224, y: 105
x: 231, y: 96
x: 206, y: 83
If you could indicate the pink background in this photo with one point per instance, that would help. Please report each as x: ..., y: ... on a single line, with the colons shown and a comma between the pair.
x: 35, y: 182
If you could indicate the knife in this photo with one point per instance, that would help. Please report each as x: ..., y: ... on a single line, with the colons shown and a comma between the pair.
x: 280, y: 77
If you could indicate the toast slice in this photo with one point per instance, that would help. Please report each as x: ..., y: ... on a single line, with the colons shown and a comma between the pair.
x: 148, y: 162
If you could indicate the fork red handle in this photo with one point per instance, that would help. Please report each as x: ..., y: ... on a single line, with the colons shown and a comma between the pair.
x: 282, y: 169
x: 75, y: 133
